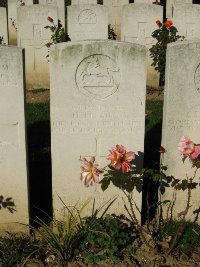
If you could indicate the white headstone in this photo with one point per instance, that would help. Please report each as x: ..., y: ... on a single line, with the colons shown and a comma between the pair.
x: 138, y: 23
x: 98, y: 102
x: 114, y: 14
x: 61, y: 8
x: 181, y: 115
x: 83, y: 2
x: 13, y: 159
x: 3, y: 25
x: 87, y: 22
x: 12, y: 14
x: 170, y: 6
x: 186, y: 19
x: 33, y: 37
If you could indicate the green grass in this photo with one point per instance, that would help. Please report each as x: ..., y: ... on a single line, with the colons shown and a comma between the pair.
x: 37, y: 112
x: 153, y: 113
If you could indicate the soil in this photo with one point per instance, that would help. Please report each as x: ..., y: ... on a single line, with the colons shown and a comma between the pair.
x: 43, y: 95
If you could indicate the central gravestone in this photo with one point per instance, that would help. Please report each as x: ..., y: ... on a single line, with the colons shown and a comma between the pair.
x: 181, y: 116
x: 86, y: 22
x: 3, y: 25
x: 115, y: 14
x: 33, y: 37
x: 13, y: 159
x: 99, y: 102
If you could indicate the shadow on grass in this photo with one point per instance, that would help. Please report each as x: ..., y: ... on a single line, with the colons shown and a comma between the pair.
x: 40, y: 182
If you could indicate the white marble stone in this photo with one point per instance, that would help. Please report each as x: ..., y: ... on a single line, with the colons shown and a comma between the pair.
x: 181, y: 115
x: 3, y: 25
x: 138, y: 23
x: 115, y: 14
x: 12, y: 14
x: 170, y: 6
x: 97, y: 94
x: 186, y: 19
x: 33, y: 37
x: 61, y: 8
x: 86, y: 22
x: 13, y: 159
x: 83, y: 2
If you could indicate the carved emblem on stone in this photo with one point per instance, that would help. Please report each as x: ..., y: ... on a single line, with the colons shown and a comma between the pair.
x: 98, y: 76
x: 197, y: 78
x: 87, y: 16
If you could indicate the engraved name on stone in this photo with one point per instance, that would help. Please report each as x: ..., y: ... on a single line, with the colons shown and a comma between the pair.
x: 98, y: 76
x: 87, y: 16
x: 183, y: 124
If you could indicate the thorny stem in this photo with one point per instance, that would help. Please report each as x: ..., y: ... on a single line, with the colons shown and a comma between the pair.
x: 133, y: 217
x: 184, y: 213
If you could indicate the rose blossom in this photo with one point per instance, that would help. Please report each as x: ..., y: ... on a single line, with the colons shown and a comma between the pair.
x: 120, y: 159
x: 90, y: 172
x: 168, y: 24
x: 186, y: 146
x: 49, y: 19
x: 158, y: 22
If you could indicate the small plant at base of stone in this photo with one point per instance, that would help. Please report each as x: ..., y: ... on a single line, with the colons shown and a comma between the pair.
x: 165, y: 34
x: 58, y: 33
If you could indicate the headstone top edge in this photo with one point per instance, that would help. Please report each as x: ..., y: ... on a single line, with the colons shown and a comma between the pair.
x: 184, y: 43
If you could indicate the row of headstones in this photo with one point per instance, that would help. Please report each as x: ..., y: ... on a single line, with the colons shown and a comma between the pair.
x: 98, y: 93
x: 137, y: 22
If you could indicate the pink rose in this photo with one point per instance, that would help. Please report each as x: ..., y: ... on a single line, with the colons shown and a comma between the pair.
x: 90, y: 173
x: 120, y: 159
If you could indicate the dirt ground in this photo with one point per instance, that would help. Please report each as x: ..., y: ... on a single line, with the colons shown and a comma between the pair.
x: 43, y: 95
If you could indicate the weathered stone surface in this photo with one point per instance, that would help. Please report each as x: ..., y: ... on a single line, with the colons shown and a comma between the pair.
x: 181, y: 115
x: 138, y: 23
x: 12, y: 14
x: 83, y: 2
x: 3, y: 25
x: 13, y: 159
x: 143, y: 1
x: 97, y: 101
x: 186, y: 19
x: 86, y: 22
x: 33, y: 37
x: 61, y: 8
x: 115, y: 14
x: 170, y: 6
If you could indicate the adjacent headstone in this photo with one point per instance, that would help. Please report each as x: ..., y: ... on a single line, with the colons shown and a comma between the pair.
x: 115, y: 14
x: 3, y: 25
x: 170, y: 6
x: 97, y: 102
x: 13, y: 159
x: 138, y: 23
x: 186, y: 19
x: 86, y: 22
x: 12, y: 18
x: 33, y: 37
x: 61, y: 8
x: 83, y: 2
x: 181, y: 116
